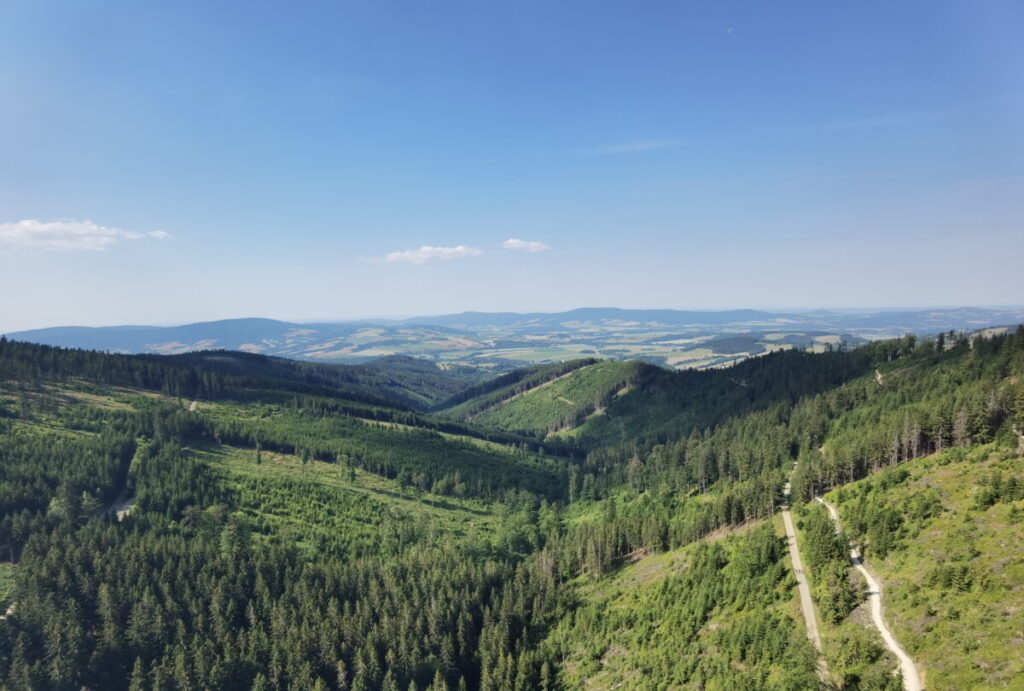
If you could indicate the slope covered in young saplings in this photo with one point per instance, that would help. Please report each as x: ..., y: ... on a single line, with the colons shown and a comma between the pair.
x: 943, y: 534
x: 474, y: 400
x: 713, y: 615
x: 560, y: 404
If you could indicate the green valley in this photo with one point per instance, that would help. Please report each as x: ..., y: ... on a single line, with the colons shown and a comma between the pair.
x: 236, y: 521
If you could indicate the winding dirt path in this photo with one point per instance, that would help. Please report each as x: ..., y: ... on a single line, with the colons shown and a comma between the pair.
x: 911, y: 677
x: 806, y: 602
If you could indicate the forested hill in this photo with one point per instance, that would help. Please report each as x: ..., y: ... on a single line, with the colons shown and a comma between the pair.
x: 598, y: 404
x: 557, y: 402
x: 209, y: 374
x: 219, y: 520
x: 475, y: 399
x: 415, y: 383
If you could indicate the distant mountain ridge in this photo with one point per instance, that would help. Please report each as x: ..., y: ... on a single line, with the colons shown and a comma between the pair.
x: 501, y: 341
x: 232, y: 334
x: 605, y: 314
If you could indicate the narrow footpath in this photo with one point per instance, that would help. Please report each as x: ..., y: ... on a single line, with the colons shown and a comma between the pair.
x: 911, y: 677
x: 806, y: 603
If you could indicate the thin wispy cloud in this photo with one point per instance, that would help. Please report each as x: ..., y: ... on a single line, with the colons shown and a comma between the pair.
x: 431, y: 253
x: 525, y: 245
x: 66, y: 236
x: 427, y: 254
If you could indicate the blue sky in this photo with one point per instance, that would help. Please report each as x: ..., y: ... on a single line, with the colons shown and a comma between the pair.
x: 175, y: 162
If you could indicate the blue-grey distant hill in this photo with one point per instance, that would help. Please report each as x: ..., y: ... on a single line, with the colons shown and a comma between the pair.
x: 500, y: 341
x: 231, y: 334
x: 599, y: 315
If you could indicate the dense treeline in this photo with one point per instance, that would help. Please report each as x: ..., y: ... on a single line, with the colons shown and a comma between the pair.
x: 926, y: 400
x: 213, y: 375
x: 180, y: 596
x: 196, y: 608
x: 405, y: 381
x: 313, y: 428
x: 35, y: 466
x: 971, y: 391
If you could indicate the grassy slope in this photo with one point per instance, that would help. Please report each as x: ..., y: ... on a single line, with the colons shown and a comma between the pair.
x: 345, y: 435
x: 317, y: 503
x: 628, y: 629
x: 969, y: 634
x: 560, y: 403
x: 476, y: 399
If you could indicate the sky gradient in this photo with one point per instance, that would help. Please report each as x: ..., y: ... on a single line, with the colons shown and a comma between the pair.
x: 175, y: 162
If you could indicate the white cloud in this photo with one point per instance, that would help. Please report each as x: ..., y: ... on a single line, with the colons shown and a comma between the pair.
x: 66, y: 236
x: 525, y: 245
x: 427, y: 253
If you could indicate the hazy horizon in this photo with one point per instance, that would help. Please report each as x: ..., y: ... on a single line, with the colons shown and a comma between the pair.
x: 442, y: 313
